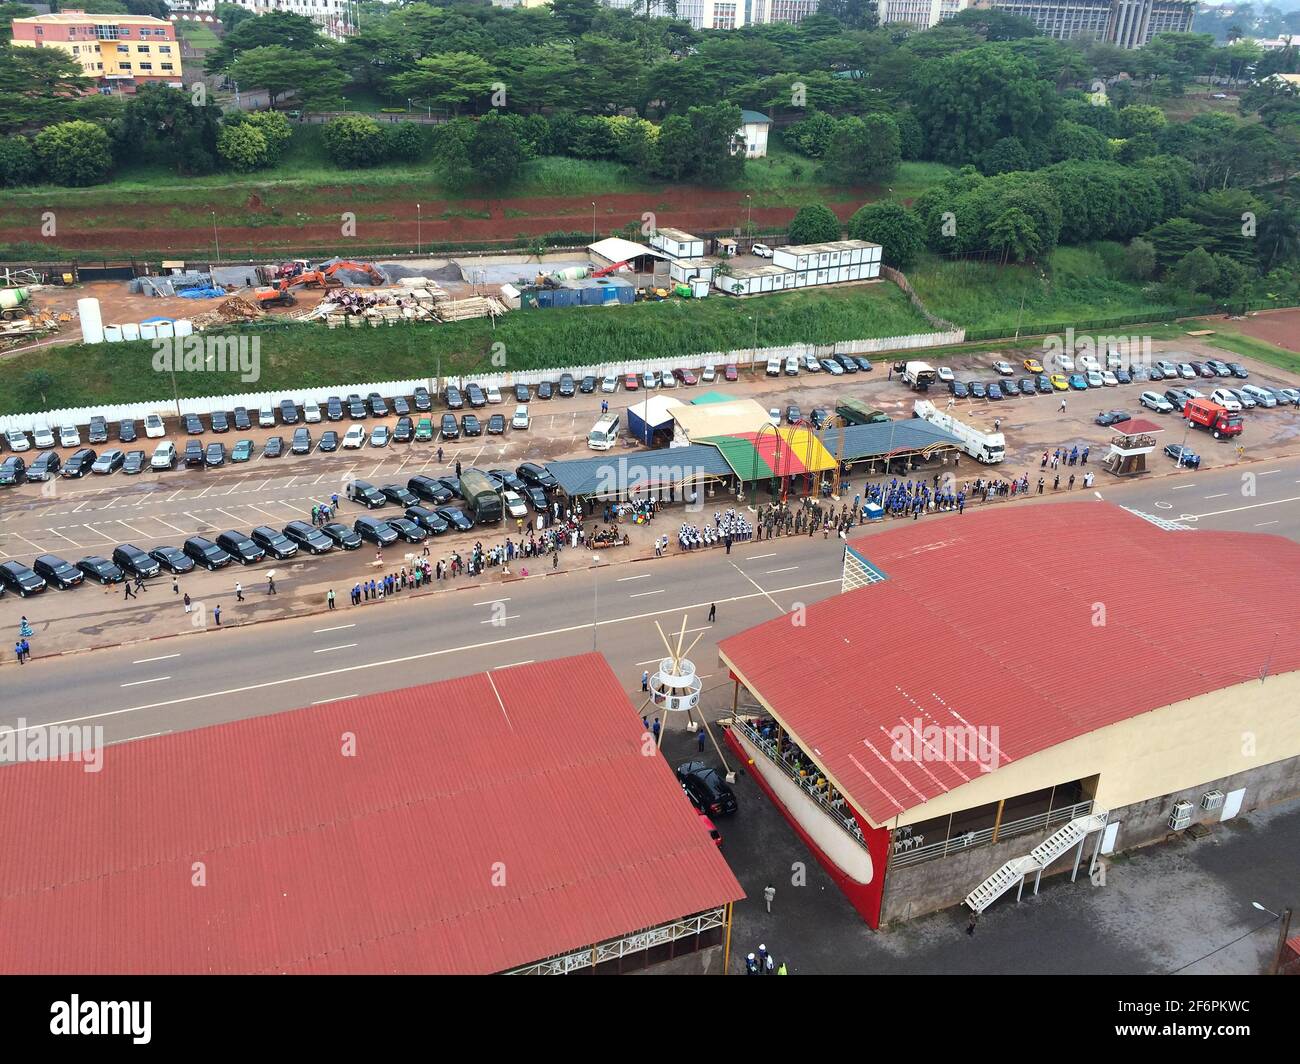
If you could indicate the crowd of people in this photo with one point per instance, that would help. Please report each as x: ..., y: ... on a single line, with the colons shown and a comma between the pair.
x: 803, y: 769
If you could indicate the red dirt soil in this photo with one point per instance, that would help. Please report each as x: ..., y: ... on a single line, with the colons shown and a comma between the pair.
x: 1278, y: 327
x: 692, y: 209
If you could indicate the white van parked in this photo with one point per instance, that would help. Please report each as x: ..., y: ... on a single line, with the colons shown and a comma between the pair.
x: 792, y: 366
x: 266, y: 417
x: 603, y: 434
x: 774, y: 367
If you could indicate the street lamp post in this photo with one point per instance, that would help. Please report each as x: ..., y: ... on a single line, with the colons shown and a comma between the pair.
x: 418, y: 242
x: 595, y: 599
x: 749, y: 220
x: 216, y: 239
x: 593, y: 221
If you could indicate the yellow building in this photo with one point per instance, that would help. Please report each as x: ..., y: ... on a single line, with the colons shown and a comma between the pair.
x: 120, y: 52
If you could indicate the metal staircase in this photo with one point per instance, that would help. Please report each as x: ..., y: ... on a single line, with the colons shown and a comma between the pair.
x: 1012, y: 874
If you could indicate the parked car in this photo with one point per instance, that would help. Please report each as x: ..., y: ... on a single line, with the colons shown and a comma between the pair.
x: 21, y: 580
x: 193, y: 457
x: 1003, y: 368
x: 469, y: 425
x: 1262, y: 396
x: 46, y: 465
x: 308, y: 537
x: 1227, y: 399
x: 205, y: 553
x: 1044, y: 383
x: 832, y: 367
x: 457, y: 519
x: 977, y: 390
x: 334, y: 408
x: 475, y: 396
x: 342, y: 536
x: 373, y: 530
x: 631, y: 382
x: 1244, y: 399
x: 101, y: 570
x: 354, y: 438
x: 220, y: 423
x: 42, y: 438
x: 455, y: 400
x: 215, y: 455
x: 503, y: 478
x: 192, y: 424
x: 310, y: 412
x: 153, y: 427
x: 357, y: 408
x: 17, y: 440
x: 108, y: 462
x: 993, y: 390
x: 429, y: 490
x: 1182, y: 456
x: 520, y: 419
x: 365, y: 493
x: 379, y: 436
x: 78, y: 464
x: 532, y: 473
x: 242, y: 451
x: 241, y: 419
x: 730, y: 373
x: 131, y: 559
x: 706, y: 788
x: 288, y: 412
x: 403, y: 430
x: 1238, y: 370
x: 450, y: 429
x: 423, y: 403
x: 401, y: 408
x: 266, y: 417
x: 276, y: 544
x: 407, y: 530
x: 241, y: 546
x: 958, y: 390
x: 496, y: 425
x: 424, y: 430
x: 608, y: 385
x: 13, y: 471
x: 97, y: 431
x: 1157, y: 402
x: 173, y: 559
x: 164, y: 456
x: 1078, y: 382
x: 1111, y: 417
x: 427, y: 519
x: 57, y: 572
x: 69, y: 436
x: 126, y: 431
x: 273, y: 447
x: 761, y: 250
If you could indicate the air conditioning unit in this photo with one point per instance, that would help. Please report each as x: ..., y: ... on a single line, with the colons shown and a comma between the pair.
x: 1181, y: 817
x: 1212, y: 800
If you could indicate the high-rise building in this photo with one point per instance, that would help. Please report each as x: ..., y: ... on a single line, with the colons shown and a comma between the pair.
x: 728, y: 14
x: 336, y: 18
x: 1127, y: 23
x: 120, y: 52
x: 920, y: 13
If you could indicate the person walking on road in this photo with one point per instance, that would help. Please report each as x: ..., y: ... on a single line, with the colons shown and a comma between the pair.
x: 440, y: 456
x: 18, y: 652
x: 700, y: 740
x: 25, y: 628
x: 656, y: 727
x: 330, y: 598
x: 187, y: 602
x: 769, y: 893
x: 1061, y: 410
x: 216, y: 614
x: 128, y: 593
x: 270, y: 584
x: 645, y: 680
x: 239, y: 591
x: 713, y: 611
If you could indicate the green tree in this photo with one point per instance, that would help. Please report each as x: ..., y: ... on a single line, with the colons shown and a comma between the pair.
x: 164, y: 125
x: 243, y: 148
x: 864, y: 150
x: 1070, y: 140
x: 1230, y: 279
x: 403, y: 141
x: 18, y: 164
x: 231, y: 15
x: 1279, y: 235
x: 994, y: 25
x: 1194, y: 273
x: 1004, y: 157
x: 275, y: 128
x: 277, y: 69
x: 814, y: 224
x: 495, y: 153
x: 813, y: 135
x: 276, y: 29
x: 1014, y: 234
x: 353, y: 140
x: 9, y: 12
x: 74, y: 153
x: 1174, y: 240
x: 891, y: 225
x: 450, y: 80
x: 1140, y: 259
x: 38, y: 87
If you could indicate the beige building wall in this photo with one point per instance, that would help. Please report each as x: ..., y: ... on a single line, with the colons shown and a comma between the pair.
x: 1169, y: 749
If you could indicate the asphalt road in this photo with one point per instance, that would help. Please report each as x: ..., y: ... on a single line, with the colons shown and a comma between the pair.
x: 207, y: 676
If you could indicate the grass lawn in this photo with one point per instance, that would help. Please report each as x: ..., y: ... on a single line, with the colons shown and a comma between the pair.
x: 1081, y: 284
x: 309, y: 355
x: 200, y: 37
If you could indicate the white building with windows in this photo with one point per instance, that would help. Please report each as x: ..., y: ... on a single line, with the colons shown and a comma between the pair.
x: 921, y: 13
x: 729, y: 14
x: 336, y: 18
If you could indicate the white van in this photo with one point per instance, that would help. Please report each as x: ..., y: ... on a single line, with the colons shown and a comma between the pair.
x: 774, y: 367
x: 266, y: 417
x: 792, y: 366
x: 603, y: 434
x: 310, y: 412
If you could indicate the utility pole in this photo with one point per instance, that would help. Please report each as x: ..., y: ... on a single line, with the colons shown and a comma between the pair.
x: 216, y: 239
x: 417, y: 226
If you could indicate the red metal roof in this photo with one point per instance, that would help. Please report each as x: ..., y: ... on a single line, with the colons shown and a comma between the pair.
x: 484, y: 823
x: 1138, y: 426
x: 1046, y: 621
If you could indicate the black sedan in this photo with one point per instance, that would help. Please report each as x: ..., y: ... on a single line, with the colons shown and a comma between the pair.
x: 427, y: 519
x: 340, y: 535
x: 276, y: 544
x: 977, y: 389
x: 864, y: 364
x: 1123, y: 376
x: 506, y: 479
x: 1027, y: 386
x: 423, y: 404
x: 522, y: 394
x: 134, y: 462
x: 13, y: 470
x: 993, y: 390
x: 792, y: 414
x: 220, y: 423
x: 401, y: 407
x: 1238, y: 370
x: 398, y: 495
x: 588, y: 384
x: 545, y: 390
x: 334, y: 408
x: 192, y: 424
x: 450, y: 430
x: 378, y: 407
x: 274, y: 447
x: 375, y: 531
x: 1111, y: 417
x: 430, y: 490
x: 1043, y: 383
x: 242, y: 421
x: 173, y: 559
x: 356, y: 410
x: 408, y: 530
x: 19, y: 579
x: 536, y: 496
x: 215, y: 455
x: 329, y: 441
x: 475, y: 396
x: 532, y: 473
x: 706, y: 788
x: 455, y: 518
x: 455, y: 401
x: 57, y: 572
x: 566, y: 388
x: 469, y: 425
x: 79, y: 464
x: 403, y: 431
x: 100, y: 570
x: 126, y: 431
x: 496, y: 425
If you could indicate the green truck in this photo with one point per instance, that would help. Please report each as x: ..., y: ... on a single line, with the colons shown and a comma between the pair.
x: 854, y: 412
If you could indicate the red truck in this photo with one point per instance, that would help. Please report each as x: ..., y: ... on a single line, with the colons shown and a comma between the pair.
x: 1209, y: 415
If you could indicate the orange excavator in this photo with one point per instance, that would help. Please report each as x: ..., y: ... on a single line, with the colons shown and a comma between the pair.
x: 280, y: 294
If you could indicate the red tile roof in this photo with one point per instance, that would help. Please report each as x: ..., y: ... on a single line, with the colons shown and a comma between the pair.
x: 532, y: 777
x: 988, y: 619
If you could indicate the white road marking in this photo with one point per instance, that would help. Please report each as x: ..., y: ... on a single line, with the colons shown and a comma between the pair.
x: 1220, y: 495
x: 757, y: 557
x: 513, y: 664
x: 424, y: 655
x: 336, y: 698
x: 787, y: 569
x: 178, y: 531
x: 326, y: 650
x: 137, y: 683
x: 1180, y: 487
x: 491, y: 602
x: 162, y: 657
x: 643, y: 594
x: 336, y: 628
x: 268, y: 513
x: 1261, y: 524
x: 501, y: 620
x: 624, y: 579
x: 135, y: 530
x: 62, y: 536
x: 1252, y: 506
x: 1266, y: 472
